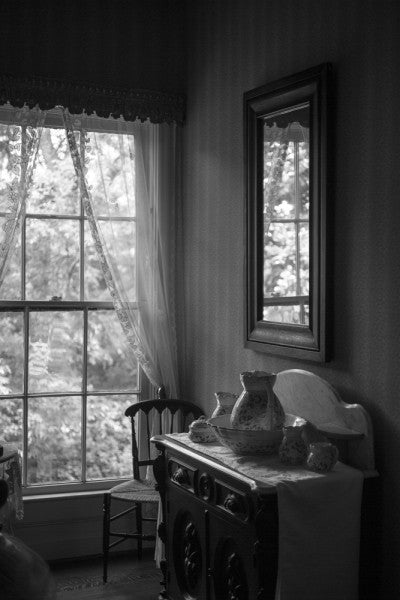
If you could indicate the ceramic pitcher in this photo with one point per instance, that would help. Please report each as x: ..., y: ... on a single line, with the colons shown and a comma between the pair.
x: 225, y: 403
x: 257, y: 407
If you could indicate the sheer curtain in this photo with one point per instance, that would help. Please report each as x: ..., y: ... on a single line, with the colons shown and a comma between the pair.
x: 147, y: 153
x: 20, y: 133
x: 276, y: 145
x: 142, y: 288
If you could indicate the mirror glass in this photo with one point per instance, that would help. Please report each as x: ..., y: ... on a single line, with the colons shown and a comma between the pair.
x: 286, y: 211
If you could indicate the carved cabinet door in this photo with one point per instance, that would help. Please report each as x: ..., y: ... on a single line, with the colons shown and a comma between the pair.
x: 231, y: 555
x: 186, y: 577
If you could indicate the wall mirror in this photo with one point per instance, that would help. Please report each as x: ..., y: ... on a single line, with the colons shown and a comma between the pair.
x: 286, y: 144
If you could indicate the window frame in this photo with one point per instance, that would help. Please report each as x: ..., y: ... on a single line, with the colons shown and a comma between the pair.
x: 25, y: 307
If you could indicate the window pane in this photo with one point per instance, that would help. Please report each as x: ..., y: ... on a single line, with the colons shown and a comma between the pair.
x: 304, y: 179
x: 304, y: 242
x: 294, y: 314
x: 11, y: 354
x: 306, y: 314
x: 120, y: 241
x: 54, y: 187
x: 95, y: 285
x: 111, y: 365
x: 280, y: 260
x: 111, y: 174
x: 108, y: 437
x: 11, y: 421
x: 282, y: 314
x: 279, y: 193
x: 286, y: 165
x: 54, y: 440
x: 52, y: 259
x: 10, y: 289
x: 55, y: 351
x: 284, y: 188
x: 10, y: 144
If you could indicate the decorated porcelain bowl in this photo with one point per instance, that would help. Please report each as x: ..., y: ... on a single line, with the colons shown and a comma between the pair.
x: 250, y: 441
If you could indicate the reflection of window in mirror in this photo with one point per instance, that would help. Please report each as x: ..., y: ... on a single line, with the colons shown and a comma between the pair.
x: 286, y: 158
x: 286, y: 142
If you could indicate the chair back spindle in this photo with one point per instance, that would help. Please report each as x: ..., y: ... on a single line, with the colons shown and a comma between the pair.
x: 135, y: 450
x: 173, y: 416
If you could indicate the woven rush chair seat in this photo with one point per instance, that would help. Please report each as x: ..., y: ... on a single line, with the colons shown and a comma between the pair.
x: 150, y: 417
x: 135, y: 490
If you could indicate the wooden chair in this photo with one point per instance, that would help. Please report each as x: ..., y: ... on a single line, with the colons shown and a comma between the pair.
x: 174, y: 414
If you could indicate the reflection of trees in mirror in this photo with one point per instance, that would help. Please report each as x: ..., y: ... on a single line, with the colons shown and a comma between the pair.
x: 286, y: 230
x: 58, y: 245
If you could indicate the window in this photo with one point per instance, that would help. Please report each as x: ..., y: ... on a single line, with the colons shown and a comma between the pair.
x: 66, y: 375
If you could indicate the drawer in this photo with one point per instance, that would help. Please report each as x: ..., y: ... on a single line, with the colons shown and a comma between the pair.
x: 182, y: 474
x: 232, y: 501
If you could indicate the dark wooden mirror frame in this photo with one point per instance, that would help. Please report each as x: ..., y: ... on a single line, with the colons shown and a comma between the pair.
x: 307, y: 342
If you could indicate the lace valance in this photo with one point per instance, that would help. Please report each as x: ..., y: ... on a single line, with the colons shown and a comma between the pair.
x: 158, y: 107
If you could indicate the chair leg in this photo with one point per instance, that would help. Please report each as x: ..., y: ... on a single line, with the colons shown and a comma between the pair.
x: 106, y: 533
x: 139, y: 529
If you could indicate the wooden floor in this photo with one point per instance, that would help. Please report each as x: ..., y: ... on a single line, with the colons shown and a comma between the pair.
x: 85, y: 578
x: 116, y: 592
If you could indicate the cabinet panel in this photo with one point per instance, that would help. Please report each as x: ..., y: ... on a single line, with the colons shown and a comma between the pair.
x: 186, y: 546
x: 231, y: 555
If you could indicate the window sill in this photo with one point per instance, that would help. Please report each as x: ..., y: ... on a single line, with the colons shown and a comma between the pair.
x: 63, y: 495
x: 69, y: 491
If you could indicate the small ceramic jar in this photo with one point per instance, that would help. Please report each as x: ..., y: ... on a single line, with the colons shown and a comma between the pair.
x: 201, y: 432
x: 322, y: 457
x: 293, y: 449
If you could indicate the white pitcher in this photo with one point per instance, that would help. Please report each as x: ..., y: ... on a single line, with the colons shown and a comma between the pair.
x: 257, y: 407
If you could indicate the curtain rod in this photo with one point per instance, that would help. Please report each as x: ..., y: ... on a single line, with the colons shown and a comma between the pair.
x: 158, y: 107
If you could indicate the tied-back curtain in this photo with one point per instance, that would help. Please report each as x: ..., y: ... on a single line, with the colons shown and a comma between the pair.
x: 20, y: 133
x: 276, y: 145
x: 141, y: 288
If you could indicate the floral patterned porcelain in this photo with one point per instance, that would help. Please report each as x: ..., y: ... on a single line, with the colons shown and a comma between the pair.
x: 225, y: 403
x: 201, y: 432
x: 293, y: 449
x: 322, y: 457
x: 257, y: 407
x: 246, y: 441
x: 250, y: 441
